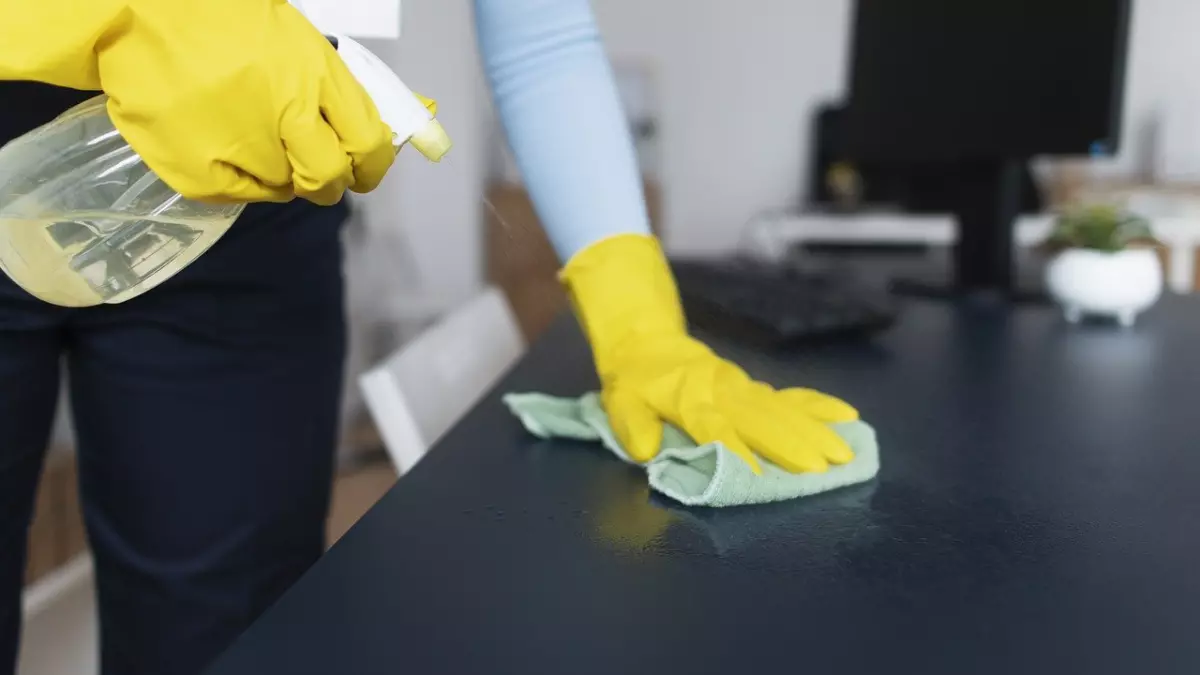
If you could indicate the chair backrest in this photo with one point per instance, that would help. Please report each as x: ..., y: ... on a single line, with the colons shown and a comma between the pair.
x: 426, y: 386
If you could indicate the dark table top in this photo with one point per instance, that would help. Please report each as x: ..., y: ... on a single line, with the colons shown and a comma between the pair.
x: 1035, y: 513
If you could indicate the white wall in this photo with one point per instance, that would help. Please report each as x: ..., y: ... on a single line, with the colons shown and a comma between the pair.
x: 1164, y: 56
x: 737, y: 83
x: 736, y: 80
x: 437, y: 206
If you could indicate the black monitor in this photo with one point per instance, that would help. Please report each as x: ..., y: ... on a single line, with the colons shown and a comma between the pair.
x: 982, y: 87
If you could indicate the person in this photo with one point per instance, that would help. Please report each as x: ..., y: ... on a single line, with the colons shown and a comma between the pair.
x: 206, y: 410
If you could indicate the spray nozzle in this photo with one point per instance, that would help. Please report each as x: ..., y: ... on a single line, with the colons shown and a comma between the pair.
x: 410, y: 116
x: 431, y: 141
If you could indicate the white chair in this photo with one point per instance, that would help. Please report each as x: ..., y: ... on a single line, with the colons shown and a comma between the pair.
x: 426, y: 386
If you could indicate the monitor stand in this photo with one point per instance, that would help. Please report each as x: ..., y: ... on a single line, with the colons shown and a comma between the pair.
x: 987, y: 207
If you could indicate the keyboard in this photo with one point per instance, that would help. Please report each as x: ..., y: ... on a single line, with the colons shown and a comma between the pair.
x: 779, y: 304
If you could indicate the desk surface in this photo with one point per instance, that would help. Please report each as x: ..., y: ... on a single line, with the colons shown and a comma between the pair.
x: 1035, y: 513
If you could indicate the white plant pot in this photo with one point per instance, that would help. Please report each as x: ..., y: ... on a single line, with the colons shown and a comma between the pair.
x: 1117, y: 285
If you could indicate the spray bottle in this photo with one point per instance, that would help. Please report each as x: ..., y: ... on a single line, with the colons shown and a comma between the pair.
x: 84, y: 221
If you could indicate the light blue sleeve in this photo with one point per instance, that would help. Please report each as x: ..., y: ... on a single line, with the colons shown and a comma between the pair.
x: 554, y: 90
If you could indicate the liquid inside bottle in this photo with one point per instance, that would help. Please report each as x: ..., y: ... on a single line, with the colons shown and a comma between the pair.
x: 83, y: 259
x: 83, y: 220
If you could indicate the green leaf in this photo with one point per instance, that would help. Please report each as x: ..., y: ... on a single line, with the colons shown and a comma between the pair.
x: 1133, y: 231
x: 1100, y: 227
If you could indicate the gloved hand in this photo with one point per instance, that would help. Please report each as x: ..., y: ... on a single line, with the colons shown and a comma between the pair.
x: 226, y: 100
x: 651, y: 371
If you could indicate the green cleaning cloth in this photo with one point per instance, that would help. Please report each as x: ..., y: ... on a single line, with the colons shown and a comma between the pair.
x: 706, y: 475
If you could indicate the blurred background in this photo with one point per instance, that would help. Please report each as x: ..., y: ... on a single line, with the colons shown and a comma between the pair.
x: 694, y: 80
x: 755, y: 70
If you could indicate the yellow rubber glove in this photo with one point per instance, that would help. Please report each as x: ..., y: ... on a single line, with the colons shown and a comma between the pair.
x: 651, y: 371
x: 226, y: 100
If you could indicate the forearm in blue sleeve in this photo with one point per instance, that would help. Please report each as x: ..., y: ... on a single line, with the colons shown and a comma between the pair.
x: 554, y: 90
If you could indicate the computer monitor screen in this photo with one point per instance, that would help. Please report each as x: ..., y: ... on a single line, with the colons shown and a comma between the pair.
x: 952, y: 80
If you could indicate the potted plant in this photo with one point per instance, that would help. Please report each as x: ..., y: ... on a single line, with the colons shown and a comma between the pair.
x: 1103, y: 263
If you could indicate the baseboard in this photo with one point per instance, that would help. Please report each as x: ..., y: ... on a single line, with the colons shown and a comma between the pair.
x: 41, y: 596
x: 61, y: 633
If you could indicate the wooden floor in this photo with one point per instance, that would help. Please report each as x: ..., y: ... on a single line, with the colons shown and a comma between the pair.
x: 355, y: 492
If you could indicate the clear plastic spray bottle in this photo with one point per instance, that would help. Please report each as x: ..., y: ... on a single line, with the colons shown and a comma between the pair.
x: 84, y: 221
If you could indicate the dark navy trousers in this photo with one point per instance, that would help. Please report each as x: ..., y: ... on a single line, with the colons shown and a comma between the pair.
x: 206, y: 419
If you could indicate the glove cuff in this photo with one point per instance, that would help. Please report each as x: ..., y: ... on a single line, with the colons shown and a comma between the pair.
x: 54, y: 41
x: 622, y: 291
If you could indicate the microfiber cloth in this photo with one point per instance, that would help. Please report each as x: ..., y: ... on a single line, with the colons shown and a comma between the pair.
x: 706, y: 475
